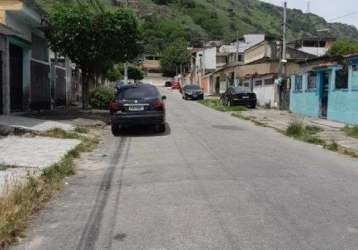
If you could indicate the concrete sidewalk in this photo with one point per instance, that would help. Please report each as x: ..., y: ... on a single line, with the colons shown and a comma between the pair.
x: 9, y: 123
x: 331, y: 131
x: 23, y: 156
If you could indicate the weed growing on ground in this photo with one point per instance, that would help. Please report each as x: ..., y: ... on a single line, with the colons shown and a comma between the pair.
x: 351, y: 131
x: 25, y: 199
x: 298, y: 130
x: 218, y: 105
x: 332, y: 146
x: 295, y: 129
x: 82, y: 130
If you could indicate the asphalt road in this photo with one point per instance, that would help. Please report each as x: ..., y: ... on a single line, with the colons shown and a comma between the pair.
x: 211, y: 182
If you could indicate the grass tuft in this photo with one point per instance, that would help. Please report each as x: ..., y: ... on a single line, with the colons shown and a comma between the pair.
x: 295, y: 129
x: 351, y: 131
x: 25, y: 199
x: 332, y: 146
x: 217, y: 105
x: 298, y: 130
x: 82, y: 130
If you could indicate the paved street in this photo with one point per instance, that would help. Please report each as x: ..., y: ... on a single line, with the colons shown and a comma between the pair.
x: 211, y: 182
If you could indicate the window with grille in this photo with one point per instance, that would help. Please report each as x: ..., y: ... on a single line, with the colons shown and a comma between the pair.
x: 298, y: 83
x: 342, y: 78
x: 312, y: 81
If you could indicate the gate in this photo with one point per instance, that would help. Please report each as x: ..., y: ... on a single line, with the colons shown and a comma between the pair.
x: 16, y: 78
x: 60, y: 89
x: 40, y: 85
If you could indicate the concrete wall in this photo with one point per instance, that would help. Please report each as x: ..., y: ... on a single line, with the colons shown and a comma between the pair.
x: 265, y: 93
x: 24, y: 30
x: 343, y: 104
x: 257, y: 52
x: 305, y: 102
x: 209, y: 58
x: 205, y: 85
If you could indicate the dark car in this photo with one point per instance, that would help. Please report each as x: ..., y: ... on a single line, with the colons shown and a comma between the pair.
x: 239, y: 96
x: 175, y: 85
x: 193, y: 92
x: 137, y: 104
x: 168, y: 84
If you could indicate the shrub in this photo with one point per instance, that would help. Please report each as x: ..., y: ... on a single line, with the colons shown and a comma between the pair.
x: 101, y: 97
x: 332, y: 146
x: 295, y: 129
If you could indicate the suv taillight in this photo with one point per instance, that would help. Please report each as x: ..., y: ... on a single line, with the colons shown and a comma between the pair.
x: 158, y: 105
x: 115, y: 106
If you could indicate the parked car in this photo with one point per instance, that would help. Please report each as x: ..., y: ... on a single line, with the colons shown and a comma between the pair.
x: 138, y: 104
x: 239, y: 96
x: 168, y: 84
x: 193, y: 92
x: 175, y: 85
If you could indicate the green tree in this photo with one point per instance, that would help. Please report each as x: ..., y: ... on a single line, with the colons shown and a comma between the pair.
x: 343, y: 47
x: 135, y: 73
x: 114, y: 73
x: 92, y: 38
x: 173, y: 56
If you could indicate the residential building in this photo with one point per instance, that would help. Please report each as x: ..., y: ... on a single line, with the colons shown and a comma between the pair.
x: 327, y: 87
x: 259, y: 71
x: 151, y: 64
x: 317, y: 46
x: 216, y: 56
x: 28, y: 78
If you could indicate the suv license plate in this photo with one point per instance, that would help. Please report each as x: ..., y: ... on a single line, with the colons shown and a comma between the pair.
x: 136, y: 108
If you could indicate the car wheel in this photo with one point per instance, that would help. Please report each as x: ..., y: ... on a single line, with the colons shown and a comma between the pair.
x: 160, y: 128
x: 116, y: 130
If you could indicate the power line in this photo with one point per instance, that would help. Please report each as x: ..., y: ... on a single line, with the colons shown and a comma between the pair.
x: 346, y: 15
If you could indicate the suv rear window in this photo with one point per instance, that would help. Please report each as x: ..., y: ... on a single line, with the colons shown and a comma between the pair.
x: 138, y: 92
x: 192, y: 87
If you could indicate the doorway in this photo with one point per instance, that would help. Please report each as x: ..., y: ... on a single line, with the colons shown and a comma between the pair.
x: 324, y: 93
x: 16, y: 78
x: 217, y: 86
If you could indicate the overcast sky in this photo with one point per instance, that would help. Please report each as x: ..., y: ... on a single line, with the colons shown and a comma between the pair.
x: 329, y: 9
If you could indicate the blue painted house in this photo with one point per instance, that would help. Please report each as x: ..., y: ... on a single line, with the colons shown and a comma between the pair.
x: 327, y: 87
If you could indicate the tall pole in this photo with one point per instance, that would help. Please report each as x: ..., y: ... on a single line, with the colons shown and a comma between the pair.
x: 281, y: 87
x: 236, y: 56
x: 284, y: 32
x: 125, y: 73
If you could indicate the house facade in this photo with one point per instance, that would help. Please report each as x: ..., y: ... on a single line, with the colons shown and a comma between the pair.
x: 28, y: 76
x: 327, y: 88
x: 259, y: 71
x: 317, y: 46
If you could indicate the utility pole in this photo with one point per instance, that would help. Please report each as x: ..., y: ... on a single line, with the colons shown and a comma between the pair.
x: 282, y: 86
x: 126, y: 73
x: 236, y: 56
x: 284, y: 33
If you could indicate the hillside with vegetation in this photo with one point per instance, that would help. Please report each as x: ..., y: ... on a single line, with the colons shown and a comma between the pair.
x: 164, y: 21
x: 201, y: 20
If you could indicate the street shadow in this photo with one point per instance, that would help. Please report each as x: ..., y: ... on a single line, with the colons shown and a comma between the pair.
x: 142, y: 131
